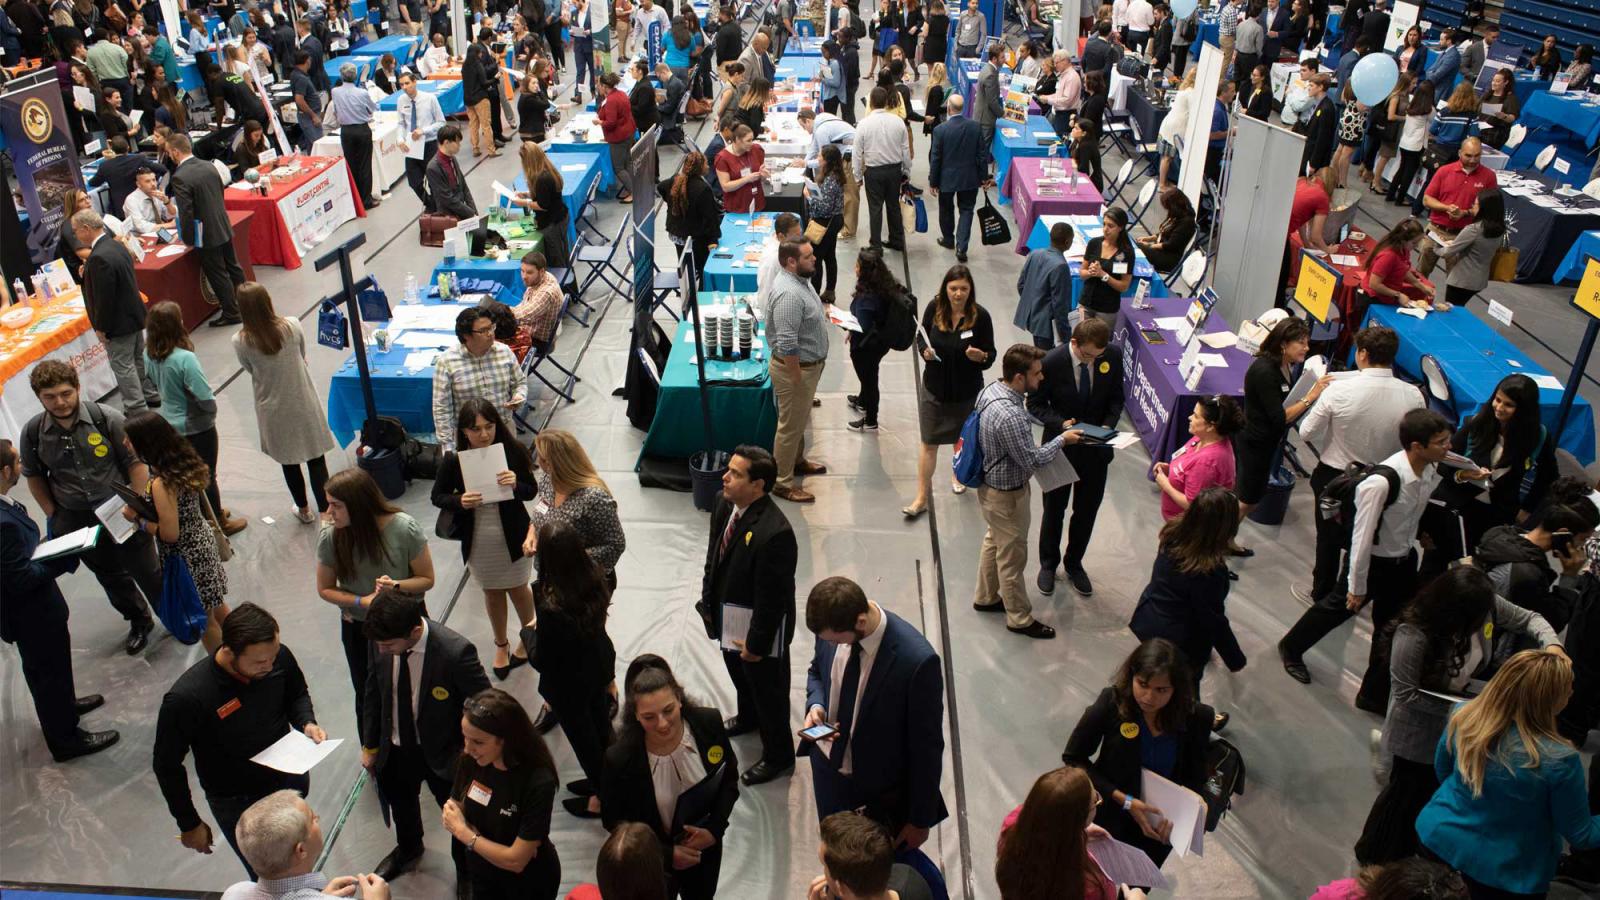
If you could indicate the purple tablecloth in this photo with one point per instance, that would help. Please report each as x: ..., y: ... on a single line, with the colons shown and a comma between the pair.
x: 1022, y: 186
x: 1158, y: 403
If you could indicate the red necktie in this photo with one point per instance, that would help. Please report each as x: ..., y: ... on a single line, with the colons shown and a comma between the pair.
x: 727, y: 535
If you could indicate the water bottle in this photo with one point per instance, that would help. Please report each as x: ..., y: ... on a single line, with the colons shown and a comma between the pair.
x: 455, y: 285
x: 19, y: 293
x: 37, y: 297
x: 410, y: 295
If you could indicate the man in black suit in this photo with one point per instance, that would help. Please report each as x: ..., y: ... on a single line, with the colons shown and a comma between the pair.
x: 447, y: 184
x: 750, y: 563
x: 1375, y: 24
x: 1322, y: 126
x: 305, y: 40
x: 955, y: 172
x: 1082, y: 383
x: 111, y: 299
x: 419, y: 676
x: 876, y: 679
x: 203, y: 224
x: 119, y: 171
x: 33, y: 616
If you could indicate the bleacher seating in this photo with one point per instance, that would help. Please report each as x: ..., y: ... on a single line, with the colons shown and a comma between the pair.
x: 1573, y: 22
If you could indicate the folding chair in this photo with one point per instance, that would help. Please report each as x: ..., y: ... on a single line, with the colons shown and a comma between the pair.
x: 602, y: 262
x: 538, y: 355
x: 1147, y: 197
x: 1113, y: 191
x: 1440, y: 398
x: 1190, y: 274
x: 1171, y: 277
x: 585, y: 218
x: 1514, y: 138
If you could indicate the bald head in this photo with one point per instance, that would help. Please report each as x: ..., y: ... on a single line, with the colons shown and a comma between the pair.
x: 1471, y: 154
x: 954, y: 104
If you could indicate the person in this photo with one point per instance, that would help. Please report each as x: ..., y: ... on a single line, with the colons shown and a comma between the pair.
x: 1473, y: 53
x: 541, y: 298
x: 187, y: 401
x: 1322, y: 125
x: 1547, y: 62
x: 1044, y: 290
x: 938, y: 88
x: 1206, y: 460
x: 1384, y: 126
x: 1382, y: 567
x: 1353, y: 423
x: 353, y: 111
x: 571, y: 489
x: 108, y: 59
x: 971, y: 27
x: 1470, y: 255
x: 478, y: 367
x: 672, y: 747
x: 533, y: 100
x: 1512, y: 788
x: 366, y: 545
x: 294, y: 429
x: 1266, y: 420
x: 1063, y: 101
x: 1107, y: 271
x: 956, y: 170
x: 491, y: 532
x: 750, y: 564
x: 33, y: 617
x: 1444, y: 640
x: 68, y: 247
x: 281, y: 838
x: 1010, y: 458
x: 448, y: 191
x: 1455, y: 121
x: 478, y: 94
x: 741, y: 172
x: 616, y: 121
x: 1148, y: 718
x: 1250, y: 38
x: 253, y: 147
x: 1044, y: 853
x: 1506, y: 439
x: 567, y: 644
x: 1165, y: 249
x: 888, y: 762
x: 986, y: 106
x: 881, y: 159
x: 1172, y: 127
x: 423, y: 121
x: 119, y: 172
x: 115, y: 310
x: 669, y: 103
x: 253, y: 679
x: 500, y: 804
x: 1413, y: 876
x: 1389, y: 277
x: 307, y: 100
x: 1447, y: 66
x: 827, y: 208
x: 957, y: 346
x: 876, y: 288
x: 1498, y: 108
x: 69, y: 484
x: 858, y: 864
x: 755, y: 59
x: 543, y: 197
x: 642, y: 97
x: 203, y: 224
x: 629, y: 866
x: 387, y: 74
x: 826, y: 128
x: 1351, y: 132
x: 1450, y: 197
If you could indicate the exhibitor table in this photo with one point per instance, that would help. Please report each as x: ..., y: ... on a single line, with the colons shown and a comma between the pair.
x: 1572, y: 265
x: 388, y: 160
x: 299, y: 211
x: 452, y: 100
x: 1033, y: 195
x: 404, y: 47
x: 582, y: 136
x: 1544, y: 223
x: 1085, y: 229
x: 57, y: 331
x: 1014, y: 140
x: 579, y: 171
x: 1158, y: 403
x: 1474, y: 358
x: 176, y: 276
x: 743, y: 235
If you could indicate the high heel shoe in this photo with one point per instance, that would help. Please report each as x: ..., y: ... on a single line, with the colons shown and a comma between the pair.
x: 503, y: 672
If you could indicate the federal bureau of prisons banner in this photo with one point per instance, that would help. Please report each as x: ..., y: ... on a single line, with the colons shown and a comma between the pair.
x: 35, y: 124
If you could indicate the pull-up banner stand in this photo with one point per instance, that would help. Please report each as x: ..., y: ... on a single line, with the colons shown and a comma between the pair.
x: 1254, y: 220
x: 1192, y: 172
x: 1587, y: 299
x: 34, y: 120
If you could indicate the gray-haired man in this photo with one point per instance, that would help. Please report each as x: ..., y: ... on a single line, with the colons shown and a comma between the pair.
x: 281, y: 838
x: 352, y: 110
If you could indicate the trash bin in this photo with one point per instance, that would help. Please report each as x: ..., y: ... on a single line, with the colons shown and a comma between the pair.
x: 387, y: 468
x: 1275, y: 502
x: 705, y: 474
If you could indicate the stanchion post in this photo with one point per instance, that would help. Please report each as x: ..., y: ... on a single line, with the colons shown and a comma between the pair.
x: 349, y: 290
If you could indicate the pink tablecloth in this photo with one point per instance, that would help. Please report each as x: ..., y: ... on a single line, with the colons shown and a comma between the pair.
x: 1022, y: 187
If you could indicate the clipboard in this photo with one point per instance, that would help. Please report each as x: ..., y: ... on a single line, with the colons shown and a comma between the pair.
x: 695, y: 804
x: 140, y: 503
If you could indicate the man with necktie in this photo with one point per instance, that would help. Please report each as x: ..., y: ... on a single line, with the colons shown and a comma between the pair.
x: 422, y: 118
x: 876, y: 680
x: 750, y: 563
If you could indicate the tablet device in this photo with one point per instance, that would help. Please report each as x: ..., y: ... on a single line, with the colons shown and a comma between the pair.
x: 139, y: 502
x: 1095, y: 433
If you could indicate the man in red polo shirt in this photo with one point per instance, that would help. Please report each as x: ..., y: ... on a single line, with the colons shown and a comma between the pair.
x: 1452, y: 197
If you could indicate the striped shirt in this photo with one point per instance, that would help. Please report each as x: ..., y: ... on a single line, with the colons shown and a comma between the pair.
x: 1005, y: 433
x: 458, y: 376
x: 795, y: 323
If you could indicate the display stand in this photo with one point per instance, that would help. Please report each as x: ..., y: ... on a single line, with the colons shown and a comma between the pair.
x: 1192, y: 172
x: 350, y: 289
x: 1587, y: 300
x: 1253, y: 220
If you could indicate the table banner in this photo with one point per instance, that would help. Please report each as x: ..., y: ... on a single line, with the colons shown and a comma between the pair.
x: 317, y: 208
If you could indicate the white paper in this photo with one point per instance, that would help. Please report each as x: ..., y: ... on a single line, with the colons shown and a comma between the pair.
x: 84, y: 96
x: 295, y: 753
x: 844, y: 319
x: 1344, y: 259
x: 421, y: 359
x: 1219, y: 340
x: 429, y: 317
x: 1548, y: 381
x: 93, y: 148
x: 1179, y: 805
x: 414, y: 146
x: 76, y: 542
x: 1124, y: 440
x: 171, y: 250
x: 1413, y: 312
x: 1170, y: 323
x: 1499, y: 312
x: 424, y: 339
x: 1056, y: 473
x: 1126, y: 864
x: 736, y: 627
x: 480, y: 468
x: 135, y: 116
x: 110, y: 515
x: 1213, y: 360
x: 504, y: 191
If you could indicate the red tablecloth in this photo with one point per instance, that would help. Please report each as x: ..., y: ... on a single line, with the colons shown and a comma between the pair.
x: 177, y: 277
x: 273, y: 244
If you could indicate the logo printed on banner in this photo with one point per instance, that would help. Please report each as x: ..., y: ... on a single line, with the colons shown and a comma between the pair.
x: 36, y: 120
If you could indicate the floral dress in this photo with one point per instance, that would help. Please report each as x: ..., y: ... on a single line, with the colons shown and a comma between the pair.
x: 1352, y: 124
x: 198, y: 547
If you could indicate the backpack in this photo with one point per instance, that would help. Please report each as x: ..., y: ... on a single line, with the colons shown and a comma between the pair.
x: 97, y: 418
x: 967, y: 460
x: 898, y: 329
x: 1338, y: 501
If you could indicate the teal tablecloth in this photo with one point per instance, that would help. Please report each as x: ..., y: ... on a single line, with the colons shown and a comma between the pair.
x: 734, y: 272
x: 742, y: 408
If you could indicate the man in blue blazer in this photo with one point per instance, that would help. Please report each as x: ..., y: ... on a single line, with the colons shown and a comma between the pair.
x: 33, y: 615
x: 1275, y: 20
x: 878, y: 681
x: 955, y: 171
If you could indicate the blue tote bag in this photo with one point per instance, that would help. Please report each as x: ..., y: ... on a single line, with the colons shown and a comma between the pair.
x: 180, y: 610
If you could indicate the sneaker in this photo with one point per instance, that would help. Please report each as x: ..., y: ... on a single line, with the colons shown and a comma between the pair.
x: 862, y: 424
x: 1079, y: 579
x: 1303, y: 593
x: 304, y: 515
x: 855, y: 402
x: 1046, y: 581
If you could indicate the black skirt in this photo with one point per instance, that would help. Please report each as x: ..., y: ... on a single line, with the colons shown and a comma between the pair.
x: 1252, y: 468
x: 1391, y: 830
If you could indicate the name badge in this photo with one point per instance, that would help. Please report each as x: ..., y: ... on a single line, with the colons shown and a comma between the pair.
x: 541, y: 508
x: 1120, y: 268
x: 229, y: 708
x: 744, y: 172
x: 966, y: 335
x: 478, y: 794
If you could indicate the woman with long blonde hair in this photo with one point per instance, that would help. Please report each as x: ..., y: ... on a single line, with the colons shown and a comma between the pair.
x: 543, y: 198
x: 1513, y: 787
x: 571, y: 489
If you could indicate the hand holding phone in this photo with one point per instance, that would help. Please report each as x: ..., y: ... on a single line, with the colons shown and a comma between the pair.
x: 821, y: 732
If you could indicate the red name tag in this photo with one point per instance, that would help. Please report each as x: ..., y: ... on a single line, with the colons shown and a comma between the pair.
x: 229, y: 708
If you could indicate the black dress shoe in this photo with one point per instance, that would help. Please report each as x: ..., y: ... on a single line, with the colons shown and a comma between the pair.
x: 1295, y: 666
x: 374, y: 203
x: 946, y: 243
x: 736, y: 726
x: 989, y: 607
x: 138, y: 637
x: 1038, y: 630
x: 1375, y: 707
x: 579, y: 806
x: 583, y: 787
x: 395, y: 864
x: 896, y: 246
x: 85, y: 705
x: 546, y: 722
x: 83, y: 744
x: 763, y: 772
x: 961, y: 256
x: 224, y: 321
x: 1220, y: 722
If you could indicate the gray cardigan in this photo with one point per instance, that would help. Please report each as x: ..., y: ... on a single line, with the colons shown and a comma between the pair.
x: 1469, y: 256
x: 1416, y: 720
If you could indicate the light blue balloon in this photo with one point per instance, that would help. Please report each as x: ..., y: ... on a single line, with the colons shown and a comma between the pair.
x: 1374, y: 77
x: 1182, y: 8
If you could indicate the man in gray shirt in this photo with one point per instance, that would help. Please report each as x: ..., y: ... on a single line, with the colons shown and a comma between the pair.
x: 353, y: 110
x: 797, y: 333
x: 987, y: 108
x: 970, y: 30
x: 881, y: 159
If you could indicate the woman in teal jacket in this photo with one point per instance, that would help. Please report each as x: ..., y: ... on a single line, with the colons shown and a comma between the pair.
x: 1512, y: 789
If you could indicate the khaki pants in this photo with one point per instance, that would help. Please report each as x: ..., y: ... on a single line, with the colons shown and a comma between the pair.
x: 1005, y: 553
x: 478, y: 128
x: 852, y: 201
x: 793, y: 397
x: 1226, y: 43
x: 1428, y: 258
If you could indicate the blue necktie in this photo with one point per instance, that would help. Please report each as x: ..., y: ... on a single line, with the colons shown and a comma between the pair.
x: 413, y: 115
x: 1083, y: 384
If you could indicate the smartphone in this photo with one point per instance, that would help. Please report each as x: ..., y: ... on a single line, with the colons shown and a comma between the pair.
x: 1560, y: 542
x: 1152, y: 336
x: 818, y: 732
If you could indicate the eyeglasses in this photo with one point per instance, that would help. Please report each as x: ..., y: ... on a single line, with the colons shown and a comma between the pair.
x: 484, y: 332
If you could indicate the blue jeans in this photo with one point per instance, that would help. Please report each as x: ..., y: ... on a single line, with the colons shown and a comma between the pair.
x: 309, y: 134
x: 949, y: 202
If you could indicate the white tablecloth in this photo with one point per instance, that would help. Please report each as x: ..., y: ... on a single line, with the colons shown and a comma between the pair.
x: 388, y: 160
x: 84, y: 353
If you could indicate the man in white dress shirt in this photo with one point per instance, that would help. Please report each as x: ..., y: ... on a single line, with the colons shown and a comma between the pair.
x: 282, y: 838
x: 420, y: 118
x: 148, y: 209
x: 785, y: 228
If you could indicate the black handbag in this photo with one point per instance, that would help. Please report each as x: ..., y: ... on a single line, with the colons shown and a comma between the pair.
x: 1224, y: 778
x: 445, y: 525
x: 992, y: 226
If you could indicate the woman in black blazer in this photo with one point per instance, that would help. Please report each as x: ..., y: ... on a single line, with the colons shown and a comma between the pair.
x: 1506, y: 437
x: 1266, y: 421
x: 490, y: 536
x: 1147, y: 718
x: 1256, y: 98
x: 1166, y: 247
x: 688, y: 802
x: 962, y: 349
x: 642, y: 99
x: 1094, y: 99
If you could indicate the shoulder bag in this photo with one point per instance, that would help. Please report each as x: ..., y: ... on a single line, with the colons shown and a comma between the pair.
x: 224, y: 546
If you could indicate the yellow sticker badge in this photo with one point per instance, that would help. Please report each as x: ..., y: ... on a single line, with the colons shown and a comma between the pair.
x: 101, y: 450
x: 1130, y: 730
x: 440, y: 693
x: 95, y: 439
x: 714, y: 755
x: 1488, y: 631
x: 1105, y: 368
x: 747, y: 535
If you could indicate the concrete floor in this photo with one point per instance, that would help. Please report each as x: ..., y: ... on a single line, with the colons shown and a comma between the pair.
x: 1010, y: 705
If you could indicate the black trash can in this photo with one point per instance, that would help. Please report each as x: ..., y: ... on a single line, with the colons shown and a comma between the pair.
x: 705, y: 473
x: 387, y: 468
x: 1275, y: 502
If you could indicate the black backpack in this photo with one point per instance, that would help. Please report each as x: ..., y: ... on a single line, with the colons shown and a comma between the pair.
x: 899, y: 326
x: 1338, y: 500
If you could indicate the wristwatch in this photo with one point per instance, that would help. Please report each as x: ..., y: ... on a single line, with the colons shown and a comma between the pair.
x: 1127, y: 803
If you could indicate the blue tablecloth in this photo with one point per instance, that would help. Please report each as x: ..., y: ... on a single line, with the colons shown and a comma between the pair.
x: 1210, y: 32
x: 1474, y: 358
x: 364, y: 65
x: 1527, y: 84
x: 964, y: 78
x: 404, y: 47
x: 804, y: 46
x: 799, y: 68
x: 1573, y: 264
x: 734, y: 272
x: 1024, y: 144
x: 1039, y: 238
x: 1575, y: 112
x: 599, y: 151
x: 578, y: 171
x: 189, y: 75
x: 452, y: 99
x: 507, y: 272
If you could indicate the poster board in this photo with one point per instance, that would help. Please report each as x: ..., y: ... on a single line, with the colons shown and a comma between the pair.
x: 1255, y: 220
x: 1019, y: 93
x: 1587, y: 298
x: 1192, y: 174
x: 1401, y: 18
x: 1316, y: 286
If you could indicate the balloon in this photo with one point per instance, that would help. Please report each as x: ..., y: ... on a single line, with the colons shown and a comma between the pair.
x: 1374, y: 77
x: 1182, y: 8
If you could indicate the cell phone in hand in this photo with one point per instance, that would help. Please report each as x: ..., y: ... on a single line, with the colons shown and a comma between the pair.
x: 818, y: 732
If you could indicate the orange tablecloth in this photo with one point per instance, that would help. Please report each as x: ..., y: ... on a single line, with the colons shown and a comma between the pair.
x: 296, y: 203
x: 52, y: 328
x: 453, y: 73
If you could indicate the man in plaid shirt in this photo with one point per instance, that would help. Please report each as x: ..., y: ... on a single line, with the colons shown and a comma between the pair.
x: 1227, y: 27
x: 478, y: 367
x: 541, y: 302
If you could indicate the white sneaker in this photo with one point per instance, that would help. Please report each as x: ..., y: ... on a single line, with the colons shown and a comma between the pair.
x: 1302, y: 592
x: 305, y: 516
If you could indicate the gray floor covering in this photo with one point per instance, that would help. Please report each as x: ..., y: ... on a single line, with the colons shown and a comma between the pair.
x: 1011, y: 705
